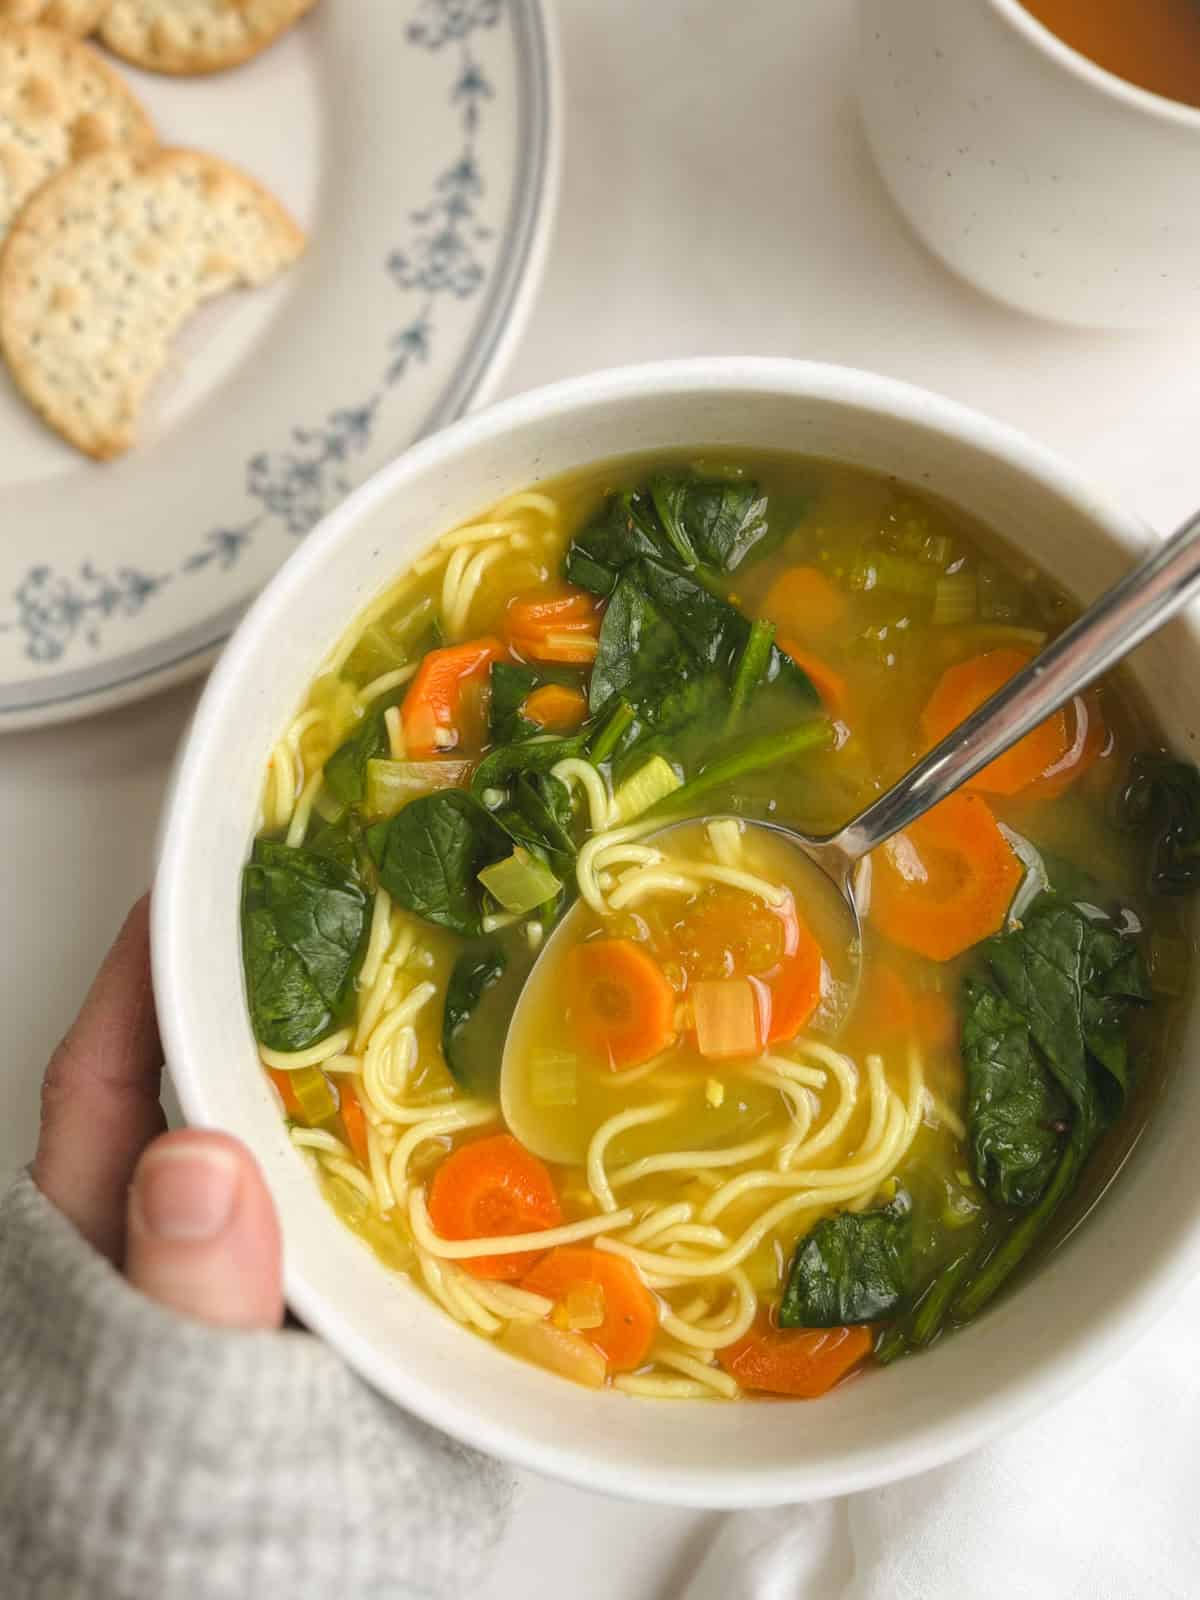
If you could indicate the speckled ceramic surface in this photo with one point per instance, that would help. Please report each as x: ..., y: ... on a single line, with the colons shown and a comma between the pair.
x: 417, y: 143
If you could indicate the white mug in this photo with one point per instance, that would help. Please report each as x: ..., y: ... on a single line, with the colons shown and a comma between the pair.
x: 1036, y: 175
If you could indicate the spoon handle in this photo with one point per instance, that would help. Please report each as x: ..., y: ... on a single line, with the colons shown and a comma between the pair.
x: 1122, y: 617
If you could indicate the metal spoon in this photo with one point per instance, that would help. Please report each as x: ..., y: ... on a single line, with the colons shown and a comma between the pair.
x: 1125, y: 615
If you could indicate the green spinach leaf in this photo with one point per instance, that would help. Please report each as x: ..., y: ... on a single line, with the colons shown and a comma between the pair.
x: 346, y: 769
x: 502, y: 766
x: 1073, y: 979
x: 851, y: 1268
x: 484, y: 987
x: 304, y: 922
x: 429, y: 855
x: 1016, y: 1113
x: 713, y: 524
x: 510, y: 685
x: 1164, y: 795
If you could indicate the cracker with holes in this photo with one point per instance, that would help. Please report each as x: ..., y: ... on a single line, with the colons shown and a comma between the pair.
x: 108, y: 261
x: 193, y: 36
x: 72, y: 16
x: 59, y: 101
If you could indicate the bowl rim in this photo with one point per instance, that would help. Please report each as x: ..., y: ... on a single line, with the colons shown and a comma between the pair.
x: 943, y: 1439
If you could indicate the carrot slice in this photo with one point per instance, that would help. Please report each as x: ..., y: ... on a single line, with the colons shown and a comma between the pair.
x: 556, y: 707
x: 963, y: 689
x: 354, y: 1122
x: 801, y: 1362
x: 287, y: 1093
x: 729, y: 933
x: 945, y: 883
x: 622, y: 1006
x: 830, y: 685
x: 491, y: 1187
x: 433, y: 711
x: 630, y: 1312
x: 562, y: 626
x: 805, y: 602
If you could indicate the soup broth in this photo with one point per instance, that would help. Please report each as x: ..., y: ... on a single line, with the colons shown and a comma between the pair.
x: 1154, y: 44
x: 734, y: 1150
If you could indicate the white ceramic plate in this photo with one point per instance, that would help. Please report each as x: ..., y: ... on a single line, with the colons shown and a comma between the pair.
x: 417, y: 141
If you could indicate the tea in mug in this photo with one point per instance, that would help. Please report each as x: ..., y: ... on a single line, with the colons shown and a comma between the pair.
x: 1154, y: 44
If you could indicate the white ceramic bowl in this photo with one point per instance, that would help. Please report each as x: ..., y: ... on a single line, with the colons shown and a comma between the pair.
x: 1099, y: 1289
x: 1038, y: 176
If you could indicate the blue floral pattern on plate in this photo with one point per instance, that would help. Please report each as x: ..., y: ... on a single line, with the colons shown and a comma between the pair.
x: 293, y: 487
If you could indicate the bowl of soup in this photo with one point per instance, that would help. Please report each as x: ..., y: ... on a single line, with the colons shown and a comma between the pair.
x: 597, y: 1139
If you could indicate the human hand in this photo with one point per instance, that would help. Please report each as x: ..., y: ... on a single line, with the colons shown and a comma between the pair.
x: 186, y: 1216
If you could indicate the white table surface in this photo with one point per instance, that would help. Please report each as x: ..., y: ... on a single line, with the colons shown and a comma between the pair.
x: 717, y: 198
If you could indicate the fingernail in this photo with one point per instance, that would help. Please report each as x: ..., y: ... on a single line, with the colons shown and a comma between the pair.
x: 185, y: 1191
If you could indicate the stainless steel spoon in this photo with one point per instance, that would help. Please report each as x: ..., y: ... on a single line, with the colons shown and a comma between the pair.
x: 1117, y: 623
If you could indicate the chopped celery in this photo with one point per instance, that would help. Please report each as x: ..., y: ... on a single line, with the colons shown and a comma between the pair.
x: 314, y: 1095
x: 327, y: 806
x: 392, y: 784
x: 387, y: 644
x: 554, y: 1078
x: 1170, y: 961
x: 752, y: 666
x: 653, y: 781
x: 901, y: 575
x: 955, y: 599
x: 520, y: 882
x: 583, y: 1307
x: 383, y: 1236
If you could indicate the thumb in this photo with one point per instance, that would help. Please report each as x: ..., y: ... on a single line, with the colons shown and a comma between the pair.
x: 203, y: 1238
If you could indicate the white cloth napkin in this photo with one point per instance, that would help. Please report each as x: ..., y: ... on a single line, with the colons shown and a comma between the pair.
x: 1097, y: 1500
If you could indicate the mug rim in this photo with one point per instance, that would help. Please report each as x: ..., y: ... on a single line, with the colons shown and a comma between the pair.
x: 1111, y: 84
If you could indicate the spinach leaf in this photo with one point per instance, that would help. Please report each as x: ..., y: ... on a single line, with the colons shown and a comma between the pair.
x: 1072, y: 979
x: 545, y: 803
x: 714, y: 524
x: 346, y: 769
x: 477, y: 970
x: 1164, y: 794
x: 640, y: 656
x: 627, y: 527
x: 429, y: 855
x: 1016, y: 1113
x: 509, y: 687
x: 483, y: 990
x: 304, y: 922
x: 502, y: 766
x: 851, y: 1268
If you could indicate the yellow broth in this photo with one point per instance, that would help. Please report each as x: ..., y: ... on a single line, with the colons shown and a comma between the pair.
x: 907, y: 589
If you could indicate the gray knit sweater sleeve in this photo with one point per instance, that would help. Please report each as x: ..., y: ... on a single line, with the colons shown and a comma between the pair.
x: 143, y: 1455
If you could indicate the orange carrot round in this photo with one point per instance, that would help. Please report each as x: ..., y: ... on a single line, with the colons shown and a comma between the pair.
x: 283, y: 1082
x: 805, y: 602
x: 562, y: 626
x: 622, y: 1007
x: 803, y: 1363
x: 945, y: 883
x: 432, y: 714
x: 727, y: 933
x: 488, y: 1188
x: 963, y: 689
x: 630, y: 1312
x: 354, y: 1122
x: 556, y: 707
x: 830, y: 685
